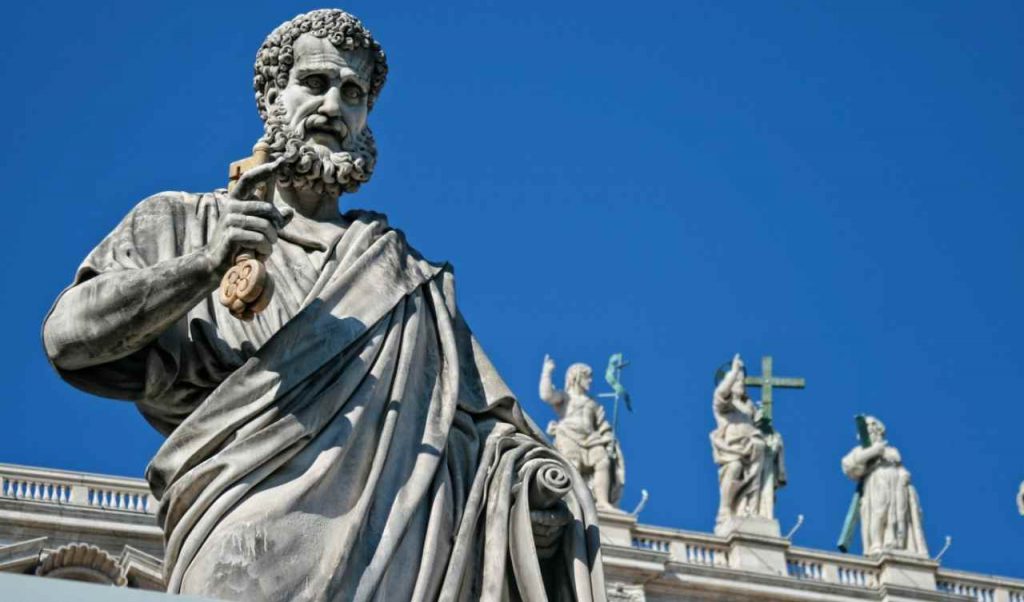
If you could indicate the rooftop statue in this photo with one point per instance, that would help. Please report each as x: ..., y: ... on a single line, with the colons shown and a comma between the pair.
x: 333, y: 429
x: 749, y: 457
x: 582, y: 432
x: 890, y: 512
x: 1020, y: 499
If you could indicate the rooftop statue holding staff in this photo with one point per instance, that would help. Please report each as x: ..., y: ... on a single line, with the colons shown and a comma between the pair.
x: 890, y: 512
x: 582, y: 433
x: 343, y: 437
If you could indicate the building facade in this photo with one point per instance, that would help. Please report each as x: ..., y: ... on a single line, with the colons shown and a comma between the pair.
x: 102, y: 529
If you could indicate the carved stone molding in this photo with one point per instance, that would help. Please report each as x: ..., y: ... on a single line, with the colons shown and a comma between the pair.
x: 625, y: 592
x: 82, y: 562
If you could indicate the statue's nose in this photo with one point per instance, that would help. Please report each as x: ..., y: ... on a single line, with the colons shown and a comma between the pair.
x: 331, y: 105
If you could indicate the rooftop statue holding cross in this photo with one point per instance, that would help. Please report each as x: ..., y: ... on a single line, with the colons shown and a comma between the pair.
x: 746, y: 447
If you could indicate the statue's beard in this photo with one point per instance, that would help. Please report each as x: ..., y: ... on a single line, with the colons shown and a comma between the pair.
x: 311, y: 166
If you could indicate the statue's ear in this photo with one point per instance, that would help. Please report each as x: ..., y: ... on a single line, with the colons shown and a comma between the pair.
x: 269, y: 99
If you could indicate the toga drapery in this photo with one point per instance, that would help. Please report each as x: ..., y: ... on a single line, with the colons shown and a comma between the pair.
x: 353, y: 442
x: 890, y: 511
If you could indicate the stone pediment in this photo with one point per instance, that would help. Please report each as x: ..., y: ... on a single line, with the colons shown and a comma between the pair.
x: 22, y: 556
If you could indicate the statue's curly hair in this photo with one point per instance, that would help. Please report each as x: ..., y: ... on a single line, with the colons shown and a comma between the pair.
x: 574, y: 374
x: 274, y: 59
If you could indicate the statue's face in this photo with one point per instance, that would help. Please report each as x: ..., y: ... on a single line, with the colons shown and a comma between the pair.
x: 586, y: 379
x: 876, y: 432
x: 327, y: 93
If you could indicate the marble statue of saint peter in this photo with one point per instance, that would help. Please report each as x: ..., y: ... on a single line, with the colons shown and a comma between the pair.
x: 351, y: 441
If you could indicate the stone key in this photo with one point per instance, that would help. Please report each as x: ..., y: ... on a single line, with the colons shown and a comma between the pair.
x: 247, y: 287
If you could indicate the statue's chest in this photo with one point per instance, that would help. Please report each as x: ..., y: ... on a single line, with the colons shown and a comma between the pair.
x: 580, y: 413
x: 295, y: 272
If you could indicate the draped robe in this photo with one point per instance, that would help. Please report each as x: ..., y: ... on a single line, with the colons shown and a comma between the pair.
x: 890, y: 511
x: 353, y: 442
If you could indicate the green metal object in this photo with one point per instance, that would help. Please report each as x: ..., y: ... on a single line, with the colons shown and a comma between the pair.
x: 853, y: 514
x: 612, y: 374
x: 767, y: 382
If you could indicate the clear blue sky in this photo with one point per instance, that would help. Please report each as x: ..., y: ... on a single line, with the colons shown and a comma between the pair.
x: 836, y: 184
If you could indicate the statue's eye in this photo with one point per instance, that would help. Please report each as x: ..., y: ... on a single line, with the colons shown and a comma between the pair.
x: 352, y: 92
x: 316, y: 83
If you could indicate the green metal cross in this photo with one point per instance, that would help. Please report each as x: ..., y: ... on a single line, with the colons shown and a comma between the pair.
x: 767, y: 382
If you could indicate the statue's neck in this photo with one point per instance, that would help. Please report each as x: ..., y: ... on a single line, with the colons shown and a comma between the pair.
x: 578, y: 394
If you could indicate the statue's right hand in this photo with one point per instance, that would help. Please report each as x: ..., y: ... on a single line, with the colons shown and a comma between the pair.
x: 549, y: 364
x: 876, y: 449
x: 249, y: 225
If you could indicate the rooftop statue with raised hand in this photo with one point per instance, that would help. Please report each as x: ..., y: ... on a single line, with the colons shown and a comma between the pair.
x: 750, y: 465
x: 348, y: 439
x: 582, y: 433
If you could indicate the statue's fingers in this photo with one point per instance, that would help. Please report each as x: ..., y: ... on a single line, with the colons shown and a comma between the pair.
x: 249, y: 180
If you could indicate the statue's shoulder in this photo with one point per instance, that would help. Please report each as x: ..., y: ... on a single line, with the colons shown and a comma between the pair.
x: 173, y: 204
x: 167, y: 218
x: 374, y: 219
x: 380, y: 223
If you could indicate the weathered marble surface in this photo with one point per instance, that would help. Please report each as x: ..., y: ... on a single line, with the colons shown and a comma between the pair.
x: 750, y: 462
x: 582, y: 432
x: 352, y: 441
x: 890, y: 512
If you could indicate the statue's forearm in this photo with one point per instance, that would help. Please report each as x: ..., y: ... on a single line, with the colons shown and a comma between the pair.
x: 722, y: 390
x: 119, y: 312
x: 547, y: 391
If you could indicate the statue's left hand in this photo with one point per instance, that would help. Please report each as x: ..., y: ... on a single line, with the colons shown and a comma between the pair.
x: 548, y: 527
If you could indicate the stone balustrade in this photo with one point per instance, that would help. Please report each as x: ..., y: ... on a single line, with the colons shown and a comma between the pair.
x: 815, y: 565
x: 60, y: 487
x: 831, y: 573
x: 682, y: 546
x: 755, y: 565
x: 983, y: 588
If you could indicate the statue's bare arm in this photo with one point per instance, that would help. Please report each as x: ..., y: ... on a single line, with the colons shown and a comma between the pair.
x: 117, y: 313
x: 548, y: 393
x: 723, y: 390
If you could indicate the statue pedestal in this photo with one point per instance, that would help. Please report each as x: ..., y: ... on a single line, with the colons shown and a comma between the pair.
x: 756, y: 545
x: 906, y: 572
x: 750, y: 525
x: 616, y: 527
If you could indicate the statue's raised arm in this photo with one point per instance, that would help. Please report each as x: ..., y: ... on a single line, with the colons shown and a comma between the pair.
x: 724, y: 390
x: 125, y: 295
x: 550, y: 394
